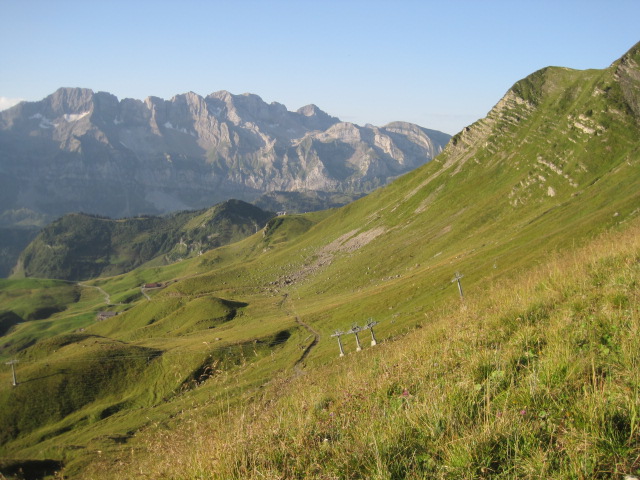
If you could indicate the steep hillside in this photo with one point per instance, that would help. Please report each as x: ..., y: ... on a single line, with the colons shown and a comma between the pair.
x: 532, y: 377
x: 81, y: 246
x: 533, y: 374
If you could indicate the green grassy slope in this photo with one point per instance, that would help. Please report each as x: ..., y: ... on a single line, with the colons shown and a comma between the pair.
x: 306, y: 201
x: 535, y: 376
x: 30, y: 301
x: 554, y: 164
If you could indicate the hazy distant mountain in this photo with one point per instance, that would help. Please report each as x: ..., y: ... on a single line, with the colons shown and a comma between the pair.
x: 77, y: 150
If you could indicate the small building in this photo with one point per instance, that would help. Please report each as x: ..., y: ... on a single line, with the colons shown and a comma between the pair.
x: 105, y: 315
x: 152, y: 285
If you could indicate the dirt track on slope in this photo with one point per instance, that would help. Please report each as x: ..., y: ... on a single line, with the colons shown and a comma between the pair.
x: 288, y: 307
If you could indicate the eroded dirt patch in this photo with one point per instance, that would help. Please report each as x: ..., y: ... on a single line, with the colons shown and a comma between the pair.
x: 347, y: 243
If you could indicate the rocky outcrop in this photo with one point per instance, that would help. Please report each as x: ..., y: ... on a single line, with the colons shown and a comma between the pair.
x: 77, y: 150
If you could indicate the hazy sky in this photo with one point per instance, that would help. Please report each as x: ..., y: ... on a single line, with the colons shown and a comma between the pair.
x: 440, y: 64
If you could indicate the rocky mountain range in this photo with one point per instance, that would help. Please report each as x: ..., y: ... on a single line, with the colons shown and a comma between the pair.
x: 77, y: 150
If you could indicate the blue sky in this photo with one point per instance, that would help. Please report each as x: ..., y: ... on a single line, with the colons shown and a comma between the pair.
x: 440, y: 64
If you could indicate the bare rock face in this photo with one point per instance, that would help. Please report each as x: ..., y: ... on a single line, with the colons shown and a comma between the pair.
x: 77, y: 150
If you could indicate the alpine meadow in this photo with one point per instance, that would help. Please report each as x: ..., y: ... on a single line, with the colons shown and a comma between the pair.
x: 486, y: 305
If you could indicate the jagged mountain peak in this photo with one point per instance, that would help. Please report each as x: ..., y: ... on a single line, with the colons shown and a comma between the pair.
x: 191, y: 102
x: 403, y: 128
x: 221, y: 95
x: 189, y: 97
x: 345, y: 129
x: 68, y: 101
x: 70, y: 98
x: 310, y: 110
x: 65, y: 106
x: 152, y: 102
x: 316, y: 118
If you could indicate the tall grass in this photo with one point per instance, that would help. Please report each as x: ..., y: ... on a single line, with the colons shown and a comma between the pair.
x: 533, y: 378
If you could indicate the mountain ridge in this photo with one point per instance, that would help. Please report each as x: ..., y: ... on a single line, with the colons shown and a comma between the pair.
x: 190, y: 152
x: 79, y: 246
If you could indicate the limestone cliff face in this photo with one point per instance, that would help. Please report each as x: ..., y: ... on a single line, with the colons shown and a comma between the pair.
x: 77, y: 150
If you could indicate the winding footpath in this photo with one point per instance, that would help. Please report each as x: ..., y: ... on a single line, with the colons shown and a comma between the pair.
x: 142, y: 289
x: 310, y: 329
x: 107, y: 298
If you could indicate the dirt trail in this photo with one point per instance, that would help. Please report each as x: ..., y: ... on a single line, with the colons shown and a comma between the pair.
x: 107, y: 298
x: 347, y: 243
x: 316, y: 335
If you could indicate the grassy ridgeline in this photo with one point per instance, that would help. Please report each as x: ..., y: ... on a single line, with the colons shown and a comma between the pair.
x: 534, y: 378
x: 81, y: 246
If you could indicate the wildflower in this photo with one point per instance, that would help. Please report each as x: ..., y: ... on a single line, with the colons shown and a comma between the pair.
x: 523, y: 412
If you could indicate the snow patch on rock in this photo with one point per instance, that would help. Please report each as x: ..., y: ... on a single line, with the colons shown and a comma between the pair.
x: 74, y: 117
